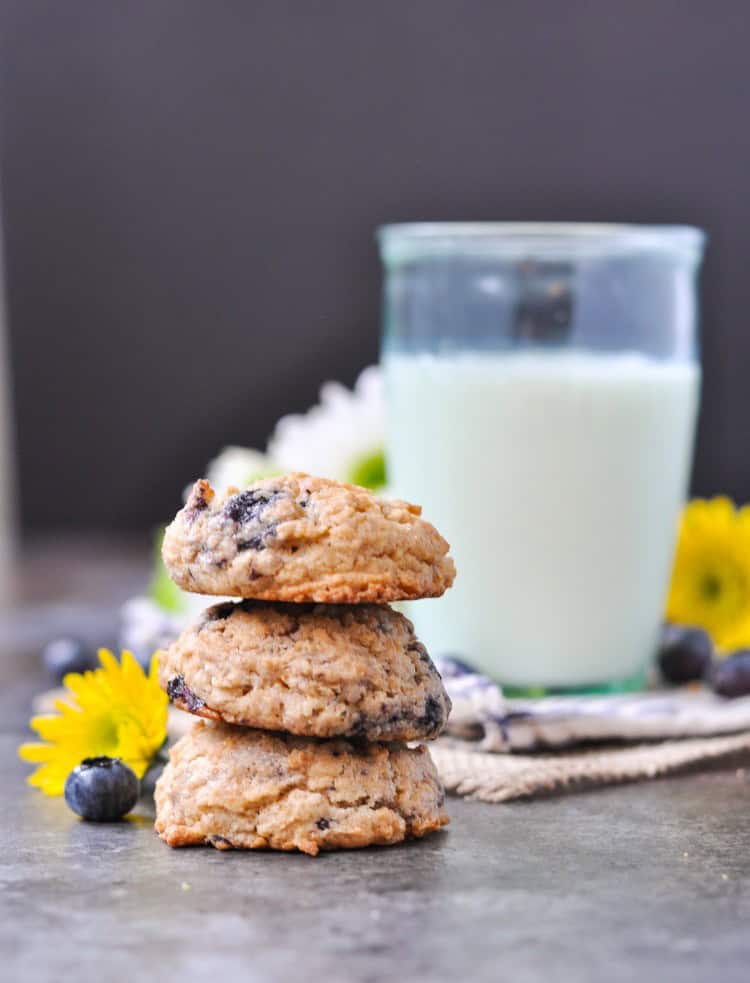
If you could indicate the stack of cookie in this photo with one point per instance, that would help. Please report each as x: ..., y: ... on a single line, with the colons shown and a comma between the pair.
x: 312, y: 684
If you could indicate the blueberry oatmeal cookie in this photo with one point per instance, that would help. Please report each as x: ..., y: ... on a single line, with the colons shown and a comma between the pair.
x: 299, y: 538
x: 231, y: 787
x: 312, y: 670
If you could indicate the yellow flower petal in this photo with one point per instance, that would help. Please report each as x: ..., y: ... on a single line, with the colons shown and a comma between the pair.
x: 153, y: 669
x: 33, y: 752
x: 710, y: 584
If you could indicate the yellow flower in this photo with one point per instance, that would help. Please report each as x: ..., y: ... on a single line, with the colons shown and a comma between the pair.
x: 711, y: 577
x: 116, y: 710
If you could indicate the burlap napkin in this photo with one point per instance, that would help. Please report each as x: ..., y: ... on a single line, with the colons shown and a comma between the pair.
x: 666, y: 731
x: 494, y: 777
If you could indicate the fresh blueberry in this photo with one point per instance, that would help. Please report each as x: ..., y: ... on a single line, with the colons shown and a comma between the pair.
x: 64, y: 655
x: 101, y: 789
x: 149, y: 780
x: 685, y: 654
x: 731, y: 676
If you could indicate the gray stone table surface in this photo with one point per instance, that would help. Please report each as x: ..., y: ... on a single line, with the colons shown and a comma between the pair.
x: 648, y: 882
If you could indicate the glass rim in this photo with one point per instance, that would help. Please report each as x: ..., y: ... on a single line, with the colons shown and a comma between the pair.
x: 400, y: 242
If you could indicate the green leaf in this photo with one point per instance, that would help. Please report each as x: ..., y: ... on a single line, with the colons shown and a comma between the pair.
x: 161, y: 589
x: 368, y: 471
x: 253, y: 476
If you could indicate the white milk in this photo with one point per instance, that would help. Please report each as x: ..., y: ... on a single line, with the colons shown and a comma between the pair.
x: 557, y: 479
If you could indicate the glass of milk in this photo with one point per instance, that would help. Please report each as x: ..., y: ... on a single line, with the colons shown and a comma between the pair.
x: 542, y: 388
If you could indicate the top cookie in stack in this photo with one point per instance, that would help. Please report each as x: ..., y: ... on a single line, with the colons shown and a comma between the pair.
x: 304, y: 539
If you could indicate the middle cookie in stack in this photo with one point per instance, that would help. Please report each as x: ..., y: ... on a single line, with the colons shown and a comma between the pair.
x: 342, y: 672
x: 322, y: 670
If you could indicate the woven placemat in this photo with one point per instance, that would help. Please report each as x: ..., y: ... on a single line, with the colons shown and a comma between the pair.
x: 492, y: 777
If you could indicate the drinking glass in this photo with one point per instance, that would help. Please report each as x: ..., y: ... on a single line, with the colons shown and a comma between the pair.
x: 542, y: 387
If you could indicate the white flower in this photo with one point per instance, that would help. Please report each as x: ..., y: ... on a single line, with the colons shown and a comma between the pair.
x: 239, y: 466
x: 145, y: 626
x: 341, y: 438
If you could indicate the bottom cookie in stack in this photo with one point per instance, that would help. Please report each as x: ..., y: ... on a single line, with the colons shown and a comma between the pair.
x: 235, y: 787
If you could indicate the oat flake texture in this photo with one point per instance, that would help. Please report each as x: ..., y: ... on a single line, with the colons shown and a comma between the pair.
x: 312, y: 670
x: 232, y: 787
x: 304, y: 539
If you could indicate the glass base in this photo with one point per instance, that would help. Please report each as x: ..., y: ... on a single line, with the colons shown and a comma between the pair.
x: 634, y: 684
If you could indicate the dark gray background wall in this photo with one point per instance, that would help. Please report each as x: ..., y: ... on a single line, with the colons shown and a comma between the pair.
x: 190, y: 190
